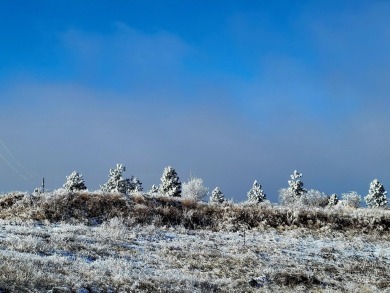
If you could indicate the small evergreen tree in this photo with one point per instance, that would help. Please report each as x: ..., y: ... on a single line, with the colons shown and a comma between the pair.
x: 74, y: 182
x: 124, y: 186
x: 116, y: 182
x: 333, y: 200
x: 296, y: 185
x: 376, y: 197
x: 295, y: 191
x: 135, y: 185
x: 256, y: 194
x: 154, y: 190
x: 170, y: 183
x: 217, y: 196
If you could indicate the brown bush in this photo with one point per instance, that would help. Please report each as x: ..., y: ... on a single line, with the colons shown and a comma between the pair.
x: 90, y: 208
x: 289, y: 279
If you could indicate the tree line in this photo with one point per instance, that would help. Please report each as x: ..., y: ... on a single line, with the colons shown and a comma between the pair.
x: 171, y: 186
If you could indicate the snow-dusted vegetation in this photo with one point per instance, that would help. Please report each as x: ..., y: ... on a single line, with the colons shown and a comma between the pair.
x: 119, y: 239
x: 351, y: 199
x: 294, y: 192
x: 74, y: 182
x: 217, y: 196
x: 170, y: 183
x: 195, y: 189
x: 376, y: 197
x: 112, y: 242
x: 256, y: 193
x: 117, y: 183
x: 294, y: 94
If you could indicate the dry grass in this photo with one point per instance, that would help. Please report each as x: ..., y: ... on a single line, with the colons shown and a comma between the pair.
x: 114, y: 243
x: 90, y: 208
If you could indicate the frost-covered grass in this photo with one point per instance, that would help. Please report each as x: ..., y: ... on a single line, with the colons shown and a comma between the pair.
x: 112, y: 243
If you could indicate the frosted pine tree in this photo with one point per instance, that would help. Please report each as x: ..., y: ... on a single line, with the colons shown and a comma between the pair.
x: 170, y: 183
x: 295, y: 191
x: 124, y: 186
x: 217, y: 196
x: 376, y: 197
x: 333, y: 200
x: 116, y: 182
x: 135, y: 184
x: 256, y: 194
x: 129, y: 186
x: 296, y: 185
x: 154, y: 190
x: 74, y: 182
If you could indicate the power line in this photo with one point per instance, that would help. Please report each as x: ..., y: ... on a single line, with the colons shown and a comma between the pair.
x: 12, y: 156
x: 13, y: 168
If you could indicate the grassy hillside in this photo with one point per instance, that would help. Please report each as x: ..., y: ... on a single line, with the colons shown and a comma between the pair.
x: 95, y: 242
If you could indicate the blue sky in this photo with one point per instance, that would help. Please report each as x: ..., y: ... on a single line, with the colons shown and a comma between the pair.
x: 230, y: 91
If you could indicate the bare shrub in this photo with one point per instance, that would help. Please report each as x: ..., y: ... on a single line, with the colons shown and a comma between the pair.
x: 287, y: 197
x: 310, y: 197
x: 351, y: 199
x: 314, y: 198
x: 195, y: 189
x: 8, y: 200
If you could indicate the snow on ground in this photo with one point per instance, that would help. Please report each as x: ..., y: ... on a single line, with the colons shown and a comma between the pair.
x: 111, y: 257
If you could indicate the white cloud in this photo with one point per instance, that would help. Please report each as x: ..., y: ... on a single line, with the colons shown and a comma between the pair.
x: 127, y: 56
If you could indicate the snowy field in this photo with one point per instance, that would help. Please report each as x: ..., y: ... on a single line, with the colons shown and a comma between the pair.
x: 118, y: 255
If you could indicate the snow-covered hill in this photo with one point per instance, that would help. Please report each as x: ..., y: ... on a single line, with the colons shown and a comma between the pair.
x: 117, y: 252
